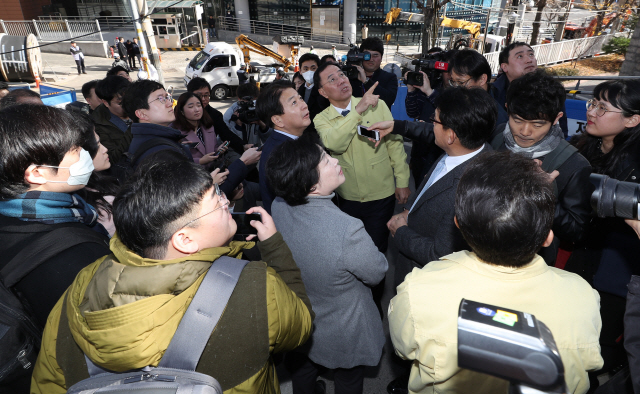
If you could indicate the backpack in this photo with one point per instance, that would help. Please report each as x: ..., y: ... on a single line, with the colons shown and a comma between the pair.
x: 20, y: 336
x: 125, y: 167
x: 176, y: 371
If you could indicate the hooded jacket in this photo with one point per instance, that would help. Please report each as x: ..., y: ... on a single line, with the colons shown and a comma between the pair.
x: 122, y: 311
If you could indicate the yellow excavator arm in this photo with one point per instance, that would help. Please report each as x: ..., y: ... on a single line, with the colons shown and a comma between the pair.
x: 397, y: 15
x: 248, y: 45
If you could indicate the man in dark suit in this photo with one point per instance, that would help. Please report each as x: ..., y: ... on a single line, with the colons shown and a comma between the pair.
x: 308, y: 65
x: 282, y: 108
x: 426, y: 231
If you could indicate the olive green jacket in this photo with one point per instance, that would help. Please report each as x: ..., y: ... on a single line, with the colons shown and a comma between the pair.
x: 123, y: 310
x: 369, y: 172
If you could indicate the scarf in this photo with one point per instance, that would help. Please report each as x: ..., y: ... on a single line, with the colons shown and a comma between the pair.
x: 540, y: 148
x: 49, y: 208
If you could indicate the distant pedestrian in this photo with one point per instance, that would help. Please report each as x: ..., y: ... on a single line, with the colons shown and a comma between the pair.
x: 334, y: 52
x: 365, y: 32
x: 136, y: 52
x: 311, y: 50
x: 78, y: 56
x: 122, y: 50
x: 212, y: 26
x: 129, y: 46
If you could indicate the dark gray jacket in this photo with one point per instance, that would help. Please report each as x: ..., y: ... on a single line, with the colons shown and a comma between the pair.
x: 339, y: 263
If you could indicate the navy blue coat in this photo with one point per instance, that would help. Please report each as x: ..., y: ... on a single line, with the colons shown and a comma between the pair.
x: 275, y: 140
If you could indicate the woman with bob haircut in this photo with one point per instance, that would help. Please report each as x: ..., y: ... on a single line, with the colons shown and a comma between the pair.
x: 197, y: 126
x: 339, y: 264
x: 609, y: 255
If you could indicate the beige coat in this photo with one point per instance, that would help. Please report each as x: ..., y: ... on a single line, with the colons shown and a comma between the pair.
x: 423, y: 319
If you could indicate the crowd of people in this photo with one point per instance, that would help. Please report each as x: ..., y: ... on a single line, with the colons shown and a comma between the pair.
x: 111, y: 222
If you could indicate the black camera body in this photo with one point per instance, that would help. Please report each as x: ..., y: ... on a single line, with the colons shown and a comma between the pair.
x: 613, y: 198
x: 433, y: 66
x: 414, y: 78
x: 247, y: 110
x: 354, y: 58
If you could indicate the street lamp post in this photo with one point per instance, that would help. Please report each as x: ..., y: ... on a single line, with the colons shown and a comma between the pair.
x: 512, y: 18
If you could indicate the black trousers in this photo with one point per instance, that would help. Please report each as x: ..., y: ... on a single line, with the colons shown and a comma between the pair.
x: 80, y: 65
x: 304, y: 373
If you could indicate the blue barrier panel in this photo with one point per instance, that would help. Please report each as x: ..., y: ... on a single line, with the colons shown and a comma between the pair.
x: 56, y: 96
x: 398, y: 110
x: 576, y: 116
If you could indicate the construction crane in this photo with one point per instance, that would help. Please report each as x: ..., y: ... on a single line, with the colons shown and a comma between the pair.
x: 248, y: 45
x: 397, y: 15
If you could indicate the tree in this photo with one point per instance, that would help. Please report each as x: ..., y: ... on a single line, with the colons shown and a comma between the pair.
x: 617, y: 45
x: 631, y: 65
x: 540, y: 4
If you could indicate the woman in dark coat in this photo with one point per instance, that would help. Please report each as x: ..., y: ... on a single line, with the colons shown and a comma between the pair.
x: 339, y: 264
x: 610, y: 253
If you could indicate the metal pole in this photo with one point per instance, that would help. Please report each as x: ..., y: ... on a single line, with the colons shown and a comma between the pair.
x: 145, y: 54
x: 66, y: 23
x: 35, y: 27
x: 486, y: 31
x: 99, y: 31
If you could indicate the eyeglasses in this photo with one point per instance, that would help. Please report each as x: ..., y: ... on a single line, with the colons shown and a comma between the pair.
x: 456, y: 84
x: 600, y: 108
x: 335, y: 79
x: 433, y: 120
x: 220, y: 195
x: 203, y: 96
x: 162, y: 99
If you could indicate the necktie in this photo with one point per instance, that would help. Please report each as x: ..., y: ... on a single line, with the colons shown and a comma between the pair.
x: 345, y: 112
x: 431, y: 181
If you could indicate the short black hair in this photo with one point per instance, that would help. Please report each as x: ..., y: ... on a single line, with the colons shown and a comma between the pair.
x: 307, y: 57
x: 535, y: 95
x: 115, y: 70
x: 434, y: 50
x: 292, y: 168
x: 87, y: 127
x: 470, y: 113
x: 321, y: 68
x: 471, y: 63
x: 137, y: 97
x: 86, y: 88
x: 159, y: 198
x: 248, y: 89
x: 111, y: 86
x: 504, y: 53
x: 33, y: 134
x: 326, y: 58
x: 504, y: 207
x: 372, y: 44
x: 268, y: 102
x: 4, y: 86
x: 198, y: 83
x: 15, y: 96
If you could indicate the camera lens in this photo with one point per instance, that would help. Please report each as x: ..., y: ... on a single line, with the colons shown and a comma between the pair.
x: 613, y: 198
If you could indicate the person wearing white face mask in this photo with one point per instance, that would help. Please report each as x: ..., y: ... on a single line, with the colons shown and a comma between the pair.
x: 309, y: 63
x: 43, y: 165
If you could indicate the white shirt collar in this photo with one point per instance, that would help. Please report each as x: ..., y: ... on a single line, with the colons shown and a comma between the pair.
x: 293, y: 137
x: 342, y: 109
x: 452, y: 162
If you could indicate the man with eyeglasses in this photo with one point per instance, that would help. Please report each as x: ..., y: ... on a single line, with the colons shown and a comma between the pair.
x: 172, y: 223
x: 469, y: 69
x: 151, y: 109
x: 375, y: 177
x: 387, y: 87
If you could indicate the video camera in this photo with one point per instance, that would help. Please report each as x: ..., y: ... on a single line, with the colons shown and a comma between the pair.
x: 432, y: 65
x: 510, y: 345
x: 613, y: 198
x: 246, y: 111
x: 354, y: 58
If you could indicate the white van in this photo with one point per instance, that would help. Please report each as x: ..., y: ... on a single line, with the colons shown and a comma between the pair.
x: 218, y: 63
